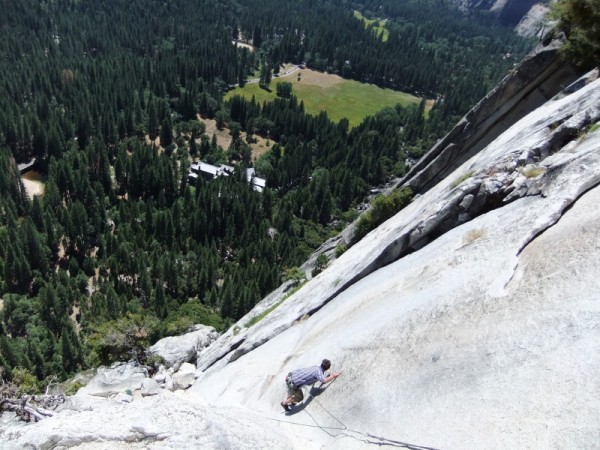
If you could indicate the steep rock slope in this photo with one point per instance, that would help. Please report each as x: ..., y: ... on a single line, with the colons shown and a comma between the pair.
x: 486, y: 337
x: 534, y: 80
x: 539, y: 77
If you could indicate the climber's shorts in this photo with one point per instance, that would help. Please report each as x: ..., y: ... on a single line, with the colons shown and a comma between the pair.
x: 293, y: 391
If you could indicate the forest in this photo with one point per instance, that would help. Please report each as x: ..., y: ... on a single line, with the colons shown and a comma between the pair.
x: 122, y: 249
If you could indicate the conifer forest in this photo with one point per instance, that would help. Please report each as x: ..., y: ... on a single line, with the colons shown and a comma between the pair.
x: 105, y: 98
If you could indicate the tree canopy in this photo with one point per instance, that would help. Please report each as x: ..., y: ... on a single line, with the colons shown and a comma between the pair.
x: 580, y: 20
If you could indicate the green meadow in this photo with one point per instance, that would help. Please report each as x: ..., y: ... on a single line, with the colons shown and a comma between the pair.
x: 343, y: 99
x: 377, y: 25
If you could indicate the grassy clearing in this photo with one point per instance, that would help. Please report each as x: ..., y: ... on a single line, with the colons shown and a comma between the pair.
x: 34, y: 183
x: 259, y: 147
x: 340, y: 98
x: 377, y: 25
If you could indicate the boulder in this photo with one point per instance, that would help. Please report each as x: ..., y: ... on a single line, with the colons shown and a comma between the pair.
x: 184, y: 377
x: 150, y: 387
x: 124, y: 397
x: 180, y: 349
x: 118, y: 378
x: 168, y: 384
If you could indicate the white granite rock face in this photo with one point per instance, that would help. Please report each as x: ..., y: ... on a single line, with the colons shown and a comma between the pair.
x: 492, y: 174
x: 486, y: 337
x: 162, y: 422
x: 533, y: 24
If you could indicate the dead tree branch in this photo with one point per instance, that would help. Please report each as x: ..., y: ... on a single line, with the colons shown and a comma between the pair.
x: 28, y: 407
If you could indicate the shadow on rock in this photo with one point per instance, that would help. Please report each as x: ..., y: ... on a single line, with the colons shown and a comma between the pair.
x: 314, y: 392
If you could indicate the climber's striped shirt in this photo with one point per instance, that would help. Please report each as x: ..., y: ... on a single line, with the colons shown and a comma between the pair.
x: 308, y: 375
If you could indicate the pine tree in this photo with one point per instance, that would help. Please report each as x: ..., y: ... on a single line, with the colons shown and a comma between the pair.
x: 35, y: 248
x: 160, y: 300
x: 166, y: 132
x: 227, y: 300
x: 579, y: 20
x: 257, y: 37
x: 37, y: 214
x: 153, y: 125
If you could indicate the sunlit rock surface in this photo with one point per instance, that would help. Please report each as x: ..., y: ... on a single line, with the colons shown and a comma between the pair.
x: 486, y: 337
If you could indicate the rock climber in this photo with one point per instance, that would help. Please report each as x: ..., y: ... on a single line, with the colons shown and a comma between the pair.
x: 298, y: 378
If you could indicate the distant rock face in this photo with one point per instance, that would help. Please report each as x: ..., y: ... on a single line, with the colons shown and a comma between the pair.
x: 533, y: 23
x: 525, y: 15
x: 513, y: 11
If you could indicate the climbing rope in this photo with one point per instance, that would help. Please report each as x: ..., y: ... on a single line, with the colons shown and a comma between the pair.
x: 344, y: 430
x: 324, y: 428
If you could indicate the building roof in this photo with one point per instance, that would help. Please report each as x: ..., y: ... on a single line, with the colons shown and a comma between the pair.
x: 223, y: 170
x: 24, y: 166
